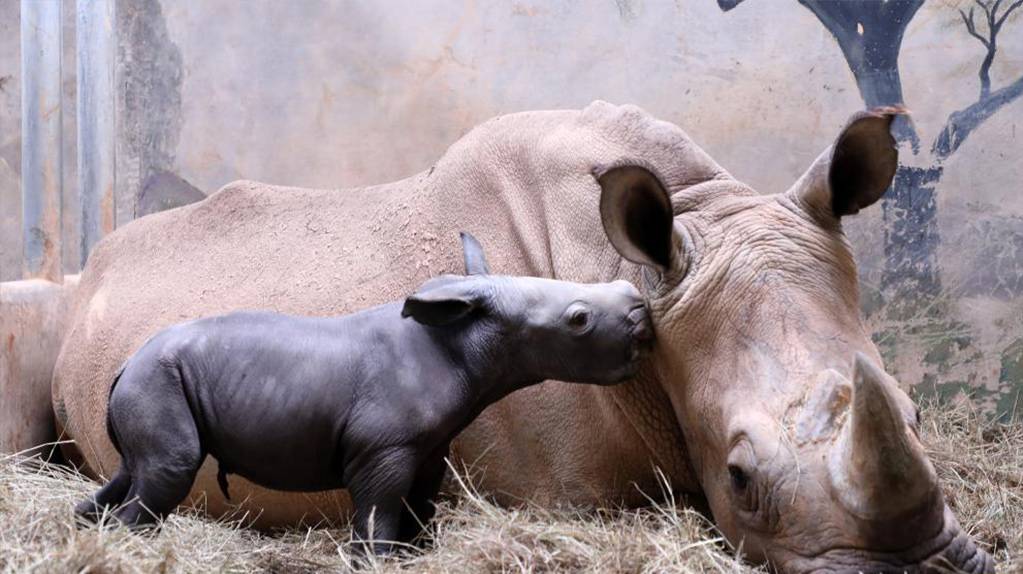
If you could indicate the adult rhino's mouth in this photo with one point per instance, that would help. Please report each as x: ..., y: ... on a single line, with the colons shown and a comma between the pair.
x: 950, y: 551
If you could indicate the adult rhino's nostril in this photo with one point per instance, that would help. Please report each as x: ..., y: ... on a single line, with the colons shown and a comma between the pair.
x: 963, y: 555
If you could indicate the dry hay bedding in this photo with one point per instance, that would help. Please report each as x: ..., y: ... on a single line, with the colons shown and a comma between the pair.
x: 980, y: 464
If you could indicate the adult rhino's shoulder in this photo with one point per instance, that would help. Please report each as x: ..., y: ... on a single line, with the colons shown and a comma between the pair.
x: 154, y: 230
x: 598, y: 111
x: 239, y: 192
x: 659, y: 145
x: 601, y: 111
x: 245, y: 202
x: 243, y: 192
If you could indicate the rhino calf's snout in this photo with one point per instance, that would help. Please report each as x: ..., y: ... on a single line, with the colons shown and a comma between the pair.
x: 642, y: 327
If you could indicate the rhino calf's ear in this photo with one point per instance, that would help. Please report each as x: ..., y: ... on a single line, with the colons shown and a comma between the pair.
x: 856, y: 170
x: 475, y: 261
x: 637, y: 216
x: 443, y: 304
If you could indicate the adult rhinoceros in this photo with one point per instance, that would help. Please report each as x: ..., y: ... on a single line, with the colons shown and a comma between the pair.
x: 765, y: 394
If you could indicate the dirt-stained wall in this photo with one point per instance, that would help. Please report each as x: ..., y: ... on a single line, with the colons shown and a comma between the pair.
x: 10, y: 140
x: 346, y: 93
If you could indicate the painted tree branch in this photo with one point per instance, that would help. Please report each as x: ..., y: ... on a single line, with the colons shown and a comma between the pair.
x: 990, y: 43
x: 971, y: 27
x: 961, y: 123
x: 994, y: 26
x: 1008, y: 11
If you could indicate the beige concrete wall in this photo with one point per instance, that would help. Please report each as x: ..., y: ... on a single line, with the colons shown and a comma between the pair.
x: 344, y: 93
x: 10, y: 141
x: 355, y: 93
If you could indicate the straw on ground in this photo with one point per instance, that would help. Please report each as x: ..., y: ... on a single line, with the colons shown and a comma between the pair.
x: 980, y: 464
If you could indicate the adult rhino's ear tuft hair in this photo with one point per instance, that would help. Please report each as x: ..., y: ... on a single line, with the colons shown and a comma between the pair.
x: 443, y: 304
x: 475, y: 261
x: 856, y: 170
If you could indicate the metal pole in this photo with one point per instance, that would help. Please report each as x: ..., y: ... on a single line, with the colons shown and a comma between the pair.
x: 41, y: 138
x: 96, y: 47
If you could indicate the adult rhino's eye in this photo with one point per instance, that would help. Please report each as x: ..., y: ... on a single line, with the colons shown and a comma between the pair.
x: 740, y: 480
x: 748, y: 490
x: 743, y: 491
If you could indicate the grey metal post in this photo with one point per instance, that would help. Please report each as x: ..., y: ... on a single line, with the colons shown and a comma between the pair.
x: 41, y: 138
x: 96, y: 49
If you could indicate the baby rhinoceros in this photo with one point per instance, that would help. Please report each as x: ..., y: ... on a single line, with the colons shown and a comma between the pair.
x: 369, y: 401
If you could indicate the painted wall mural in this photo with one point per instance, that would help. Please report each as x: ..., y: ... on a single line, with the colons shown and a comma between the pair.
x: 870, y: 34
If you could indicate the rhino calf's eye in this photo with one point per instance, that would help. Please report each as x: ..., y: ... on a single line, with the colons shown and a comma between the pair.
x: 579, y: 319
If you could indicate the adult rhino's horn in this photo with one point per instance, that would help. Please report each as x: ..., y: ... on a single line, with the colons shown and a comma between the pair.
x: 878, y: 470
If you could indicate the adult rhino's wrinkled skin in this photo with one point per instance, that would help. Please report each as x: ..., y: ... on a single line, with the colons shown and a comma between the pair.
x: 764, y: 394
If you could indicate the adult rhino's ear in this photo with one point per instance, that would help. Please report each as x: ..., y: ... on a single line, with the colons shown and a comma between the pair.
x: 856, y: 170
x: 637, y: 216
x: 443, y: 304
x: 475, y: 261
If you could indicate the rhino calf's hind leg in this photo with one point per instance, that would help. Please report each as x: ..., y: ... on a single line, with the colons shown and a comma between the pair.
x: 113, y: 493
x: 159, y: 444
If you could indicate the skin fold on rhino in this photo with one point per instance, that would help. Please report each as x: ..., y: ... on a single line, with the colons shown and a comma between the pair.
x: 764, y: 395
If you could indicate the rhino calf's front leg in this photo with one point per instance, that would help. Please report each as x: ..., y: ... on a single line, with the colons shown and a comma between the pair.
x: 379, y: 488
x: 419, y: 505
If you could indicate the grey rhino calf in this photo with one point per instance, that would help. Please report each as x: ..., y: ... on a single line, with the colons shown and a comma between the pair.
x: 369, y: 401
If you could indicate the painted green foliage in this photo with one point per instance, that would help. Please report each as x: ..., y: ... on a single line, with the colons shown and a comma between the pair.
x: 1010, y: 399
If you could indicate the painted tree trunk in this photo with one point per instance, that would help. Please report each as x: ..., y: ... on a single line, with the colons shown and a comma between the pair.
x: 911, y: 240
x: 880, y: 88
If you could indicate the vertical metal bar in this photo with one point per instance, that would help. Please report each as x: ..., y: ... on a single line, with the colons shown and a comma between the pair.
x: 128, y: 138
x: 41, y: 138
x: 96, y: 49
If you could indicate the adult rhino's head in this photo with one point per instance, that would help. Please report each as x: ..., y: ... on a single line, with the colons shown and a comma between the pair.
x: 807, y: 451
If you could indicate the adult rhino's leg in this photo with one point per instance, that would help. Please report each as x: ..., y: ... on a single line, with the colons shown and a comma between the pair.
x: 113, y: 493
x: 560, y: 443
x: 159, y: 442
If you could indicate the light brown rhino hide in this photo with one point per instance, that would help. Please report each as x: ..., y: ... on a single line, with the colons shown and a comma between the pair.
x: 524, y: 184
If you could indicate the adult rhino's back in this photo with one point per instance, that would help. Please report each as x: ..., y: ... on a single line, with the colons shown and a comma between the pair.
x: 249, y: 246
x: 524, y: 184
